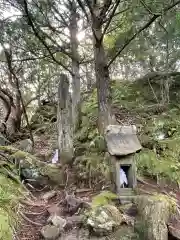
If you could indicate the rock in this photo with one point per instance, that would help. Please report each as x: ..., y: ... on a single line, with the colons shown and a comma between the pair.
x: 54, y: 210
x: 104, y: 219
x: 129, y: 209
x: 72, y: 204
x: 47, y: 196
x: 128, y: 220
x: 3, y: 140
x: 57, y: 221
x: 173, y: 225
x: 30, y: 173
x: 50, y: 232
x: 154, y: 213
x: 76, y: 234
x: 124, y: 233
x: 25, y: 145
x: 74, y: 221
x: 174, y: 231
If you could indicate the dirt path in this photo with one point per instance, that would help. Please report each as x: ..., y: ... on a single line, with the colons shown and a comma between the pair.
x: 35, y: 211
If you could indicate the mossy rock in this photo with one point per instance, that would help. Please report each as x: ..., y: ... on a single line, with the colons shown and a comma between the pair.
x: 103, y: 219
x: 154, y: 213
x: 28, y: 161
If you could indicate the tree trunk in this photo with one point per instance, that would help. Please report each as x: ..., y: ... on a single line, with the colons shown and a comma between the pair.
x: 64, y: 118
x: 102, y: 78
x: 76, y: 96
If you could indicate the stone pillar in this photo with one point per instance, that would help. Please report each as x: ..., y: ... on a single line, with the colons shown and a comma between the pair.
x: 64, y: 121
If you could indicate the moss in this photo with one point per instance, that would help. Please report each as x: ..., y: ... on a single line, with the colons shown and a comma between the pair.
x: 103, y: 198
x: 171, y: 202
x: 10, y: 192
x: 55, y: 174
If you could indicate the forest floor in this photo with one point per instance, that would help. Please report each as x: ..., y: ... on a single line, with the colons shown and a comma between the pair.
x: 35, y: 211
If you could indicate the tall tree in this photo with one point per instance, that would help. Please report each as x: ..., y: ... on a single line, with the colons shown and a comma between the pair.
x: 101, y: 14
x: 55, y: 25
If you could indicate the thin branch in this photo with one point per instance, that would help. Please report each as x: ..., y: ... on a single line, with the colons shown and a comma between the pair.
x: 110, y: 17
x: 90, y: 7
x: 147, y: 8
x: 41, y: 39
x: 122, y: 11
x: 140, y: 30
x: 105, y: 8
x: 133, y: 37
x: 31, y: 100
x: 30, y: 58
x: 60, y: 15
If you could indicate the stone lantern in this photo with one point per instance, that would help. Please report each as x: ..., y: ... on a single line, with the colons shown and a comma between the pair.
x: 122, y: 144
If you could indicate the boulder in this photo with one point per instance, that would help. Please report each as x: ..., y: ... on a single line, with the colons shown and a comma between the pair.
x: 57, y: 221
x: 104, y: 219
x: 154, y: 213
x: 54, y: 210
x: 50, y: 232
x: 25, y: 145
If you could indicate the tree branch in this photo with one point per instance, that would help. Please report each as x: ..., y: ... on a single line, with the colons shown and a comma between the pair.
x: 140, y: 30
x: 90, y: 7
x: 31, y: 100
x: 110, y: 17
x: 105, y: 8
x: 81, y: 5
x: 152, y: 75
x: 41, y: 39
x: 9, y: 63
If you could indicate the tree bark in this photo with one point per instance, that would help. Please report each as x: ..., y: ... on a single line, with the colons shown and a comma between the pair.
x: 64, y: 119
x: 102, y: 78
x: 76, y: 96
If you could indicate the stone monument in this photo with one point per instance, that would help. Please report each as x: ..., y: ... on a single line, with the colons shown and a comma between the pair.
x: 122, y: 144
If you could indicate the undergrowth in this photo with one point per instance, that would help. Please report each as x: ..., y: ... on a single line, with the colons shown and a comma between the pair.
x: 158, y: 127
x: 9, y: 193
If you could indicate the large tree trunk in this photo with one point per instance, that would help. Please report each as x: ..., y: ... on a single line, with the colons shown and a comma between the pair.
x: 102, y: 78
x: 64, y: 118
x: 76, y: 96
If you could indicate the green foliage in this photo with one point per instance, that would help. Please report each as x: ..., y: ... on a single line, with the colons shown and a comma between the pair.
x: 93, y: 168
x: 103, y: 198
